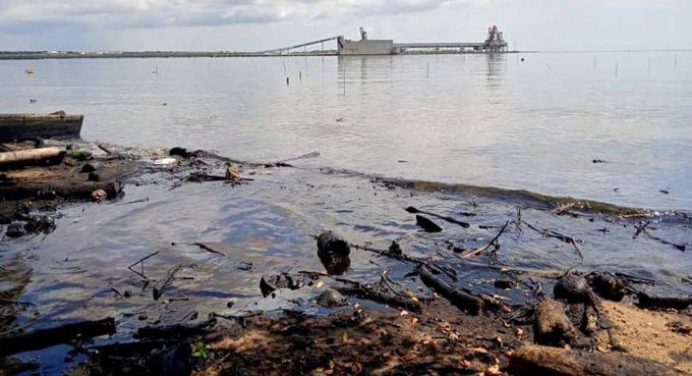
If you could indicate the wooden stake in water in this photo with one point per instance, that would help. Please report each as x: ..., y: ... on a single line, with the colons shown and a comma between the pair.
x: 617, y: 68
x: 595, y: 62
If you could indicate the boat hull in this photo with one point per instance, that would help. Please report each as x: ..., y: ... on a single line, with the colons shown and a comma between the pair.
x: 28, y: 126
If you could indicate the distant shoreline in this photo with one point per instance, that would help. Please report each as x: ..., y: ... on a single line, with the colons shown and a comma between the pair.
x: 44, y: 55
x: 41, y: 55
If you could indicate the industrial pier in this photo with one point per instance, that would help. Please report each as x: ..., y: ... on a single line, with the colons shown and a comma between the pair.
x: 494, y: 43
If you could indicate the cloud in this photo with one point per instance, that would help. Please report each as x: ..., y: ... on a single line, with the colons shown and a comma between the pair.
x: 25, y: 15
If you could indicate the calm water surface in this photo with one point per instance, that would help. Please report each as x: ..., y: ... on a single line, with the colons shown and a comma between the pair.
x: 489, y: 120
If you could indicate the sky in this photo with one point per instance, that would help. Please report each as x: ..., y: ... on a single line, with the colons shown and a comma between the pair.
x: 250, y: 25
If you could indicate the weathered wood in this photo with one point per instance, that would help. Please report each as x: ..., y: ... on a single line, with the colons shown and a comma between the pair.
x: 414, y: 210
x: 549, y: 361
x: 552, y: 325
x: 10, y: 190
x: 25, y: 126
x: 677, y: 302
x: 461, y: 299
x: 161, y: 286
x: 48, y: 337
x: 378, y: 294
x: 493, y: 241
x: 30, y: 156
x: 427, y: 225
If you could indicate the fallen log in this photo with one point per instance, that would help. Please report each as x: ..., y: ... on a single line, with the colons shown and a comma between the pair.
x: 369, y: 292
x: 42, y: 338
x: 461, y: 299
x: 10, y: 190
x: 552, y: 325
x: 44, y: 156
x: 549, y: 361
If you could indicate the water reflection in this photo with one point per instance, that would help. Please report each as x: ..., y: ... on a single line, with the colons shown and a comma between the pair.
x: 15, y: 275
x: 365, y: 70
x: 474, y: 118
x: 495, y: 71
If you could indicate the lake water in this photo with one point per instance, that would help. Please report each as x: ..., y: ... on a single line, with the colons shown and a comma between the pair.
x: 488, y: 120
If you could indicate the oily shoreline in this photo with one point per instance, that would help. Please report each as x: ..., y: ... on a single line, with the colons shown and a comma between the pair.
x: 246, y: 347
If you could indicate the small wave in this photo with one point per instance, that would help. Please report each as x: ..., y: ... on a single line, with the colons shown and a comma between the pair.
x: 518, y: 196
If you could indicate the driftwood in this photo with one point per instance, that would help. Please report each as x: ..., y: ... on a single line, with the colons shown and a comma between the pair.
x: 677, y: 302
x: 463, y: 300
x: 163, y: 284
x: 479, y: 250
x: 48, y: 337
x: 218, y: 249
x: 141, y: 263
x: 392, y: 252
x: 552, y: 325
x: 10, y: 190
x: 396, y: 253
x: 643, y: 229
x: 29, y: 155
x: 549, y: 361
x: 414, y: 210
x: 370, y: 292
x: 427, y: 225
x: 679, y: 247
x: 564, y: 238
x: 303, y: 156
